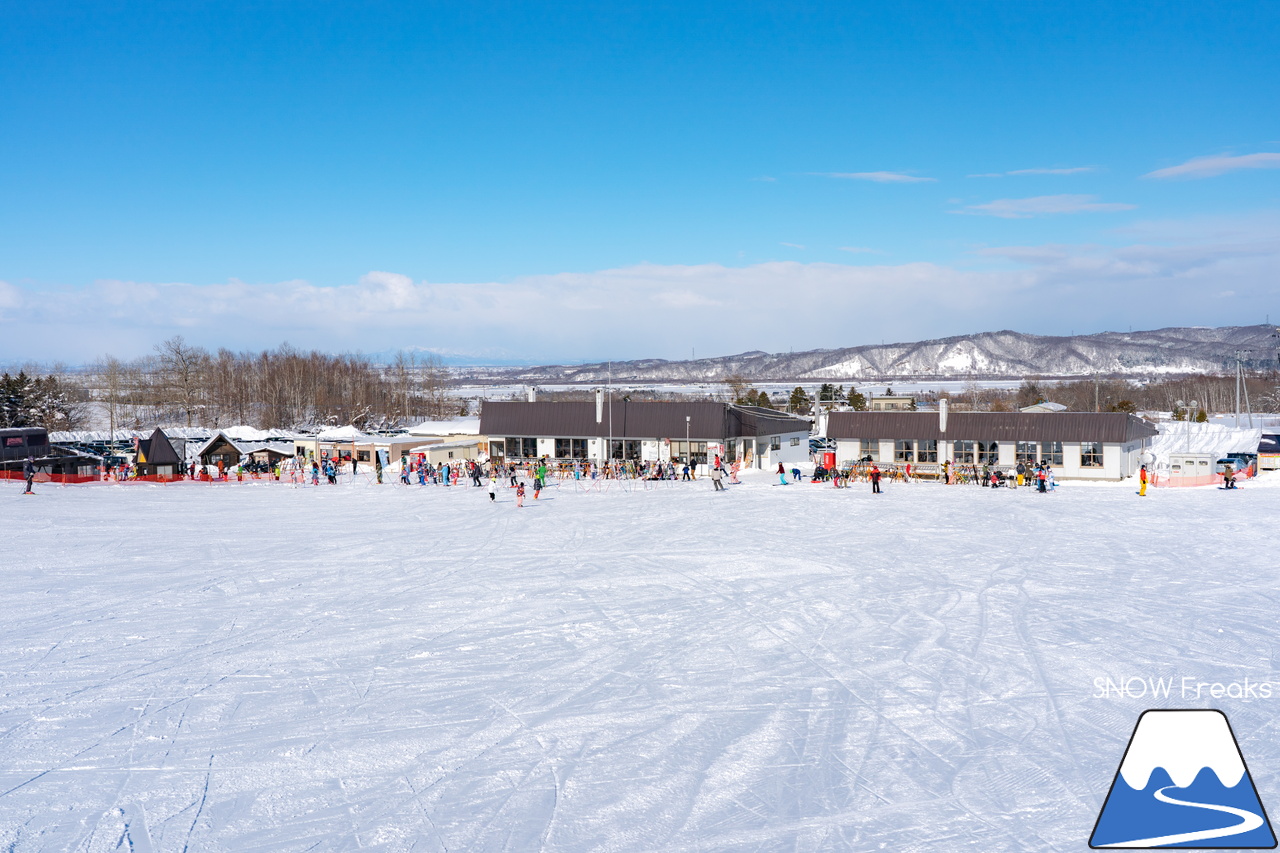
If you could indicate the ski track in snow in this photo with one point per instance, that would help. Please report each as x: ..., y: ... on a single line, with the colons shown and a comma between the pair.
x: 254, y: 667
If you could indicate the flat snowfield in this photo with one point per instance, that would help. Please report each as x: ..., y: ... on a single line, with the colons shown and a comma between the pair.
x: 257, y: 667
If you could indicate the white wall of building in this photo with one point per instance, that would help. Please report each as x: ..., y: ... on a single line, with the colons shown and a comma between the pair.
x: 792, y: 449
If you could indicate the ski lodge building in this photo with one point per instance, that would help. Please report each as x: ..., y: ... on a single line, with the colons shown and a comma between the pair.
x: 644, y: 432
x: 1078, y: 445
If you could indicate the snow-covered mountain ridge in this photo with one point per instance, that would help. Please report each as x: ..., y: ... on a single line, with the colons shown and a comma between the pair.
x: 987, y: 355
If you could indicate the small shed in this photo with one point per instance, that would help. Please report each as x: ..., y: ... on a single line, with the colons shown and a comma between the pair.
x: 268, y: 454
x: 222, y: 449
x: 158, y: 458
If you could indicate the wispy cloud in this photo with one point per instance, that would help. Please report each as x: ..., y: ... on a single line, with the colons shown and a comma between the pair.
x: 1068, y: 170
x: 1217, y: 164
x: 1043, y: 205
x: 766, y: 179
x: 878, y: 177
x: 792, y: 245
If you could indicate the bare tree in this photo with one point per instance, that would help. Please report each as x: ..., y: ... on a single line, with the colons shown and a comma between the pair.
x: 182, y: 371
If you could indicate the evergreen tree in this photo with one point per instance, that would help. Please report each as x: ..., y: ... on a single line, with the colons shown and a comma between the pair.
x: 763, y: 400
x: 799, y: 401
x: 37, y: 401
x: 857, y: 401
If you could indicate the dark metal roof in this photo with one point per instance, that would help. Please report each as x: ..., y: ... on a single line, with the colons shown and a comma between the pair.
x: 20, y: 442
x: 708, y: 421
x: 157, y: 450
x: 1111, y: 427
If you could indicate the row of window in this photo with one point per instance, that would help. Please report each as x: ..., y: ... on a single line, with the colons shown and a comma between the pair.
x: 983, y: 452
x: 577, y: 448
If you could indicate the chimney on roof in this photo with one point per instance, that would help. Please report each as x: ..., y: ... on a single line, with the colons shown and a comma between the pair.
x: 533, y: 394
x: 942, y: 415
x: 599, y: 405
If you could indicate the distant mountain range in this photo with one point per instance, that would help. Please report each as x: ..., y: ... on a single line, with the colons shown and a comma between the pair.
x: 988, y: 355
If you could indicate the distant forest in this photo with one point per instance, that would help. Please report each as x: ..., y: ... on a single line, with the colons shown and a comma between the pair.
x: 185, y: 385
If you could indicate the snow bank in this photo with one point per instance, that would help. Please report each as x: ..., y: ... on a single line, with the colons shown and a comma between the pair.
x: 456, y: 426
x: 1190, y: 437
x: 345, y: 433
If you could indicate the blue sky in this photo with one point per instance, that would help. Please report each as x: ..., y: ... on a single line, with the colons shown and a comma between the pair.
x: 554, y: 181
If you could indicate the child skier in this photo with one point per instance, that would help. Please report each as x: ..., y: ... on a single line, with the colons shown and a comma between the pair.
x: 520, y: 495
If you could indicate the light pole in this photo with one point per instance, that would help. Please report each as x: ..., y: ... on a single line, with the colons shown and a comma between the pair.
x: 688, y: 451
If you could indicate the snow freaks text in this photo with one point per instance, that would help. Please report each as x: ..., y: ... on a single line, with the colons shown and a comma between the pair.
x: 1185, y: 687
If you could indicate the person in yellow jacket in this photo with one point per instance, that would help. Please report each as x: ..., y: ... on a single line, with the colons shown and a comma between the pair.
x: 1142, y: 481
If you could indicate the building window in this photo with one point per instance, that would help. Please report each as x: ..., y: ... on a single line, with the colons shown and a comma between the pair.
x: 988, y: 452
x: 625, y: 449
x: 562, y: 448
x: 927, y: 450
x: 904, y: 451
x: 681, y: 450
x: 870, y: 450
x: 1051, y: 452
x: 450, y: 454
x: 522, y: 448
x: 1026, y: 453
x: 1090, y: 454
x: 962, y: 452
x: 795, y: 442
x: 775, y: 443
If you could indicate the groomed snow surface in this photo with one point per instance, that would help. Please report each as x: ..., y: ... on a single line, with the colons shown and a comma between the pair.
x: 256, y: 667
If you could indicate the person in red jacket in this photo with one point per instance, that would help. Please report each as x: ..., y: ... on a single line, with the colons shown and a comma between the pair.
x: 875, y: 479
x: 1142, y: 481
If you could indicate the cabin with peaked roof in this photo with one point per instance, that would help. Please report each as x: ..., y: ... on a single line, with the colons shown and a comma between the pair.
x: 157, y: 457
x: 222, y: 449
x: 1077, y: 445
x: 644, y: 432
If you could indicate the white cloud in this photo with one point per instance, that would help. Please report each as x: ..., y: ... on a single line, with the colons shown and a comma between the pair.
x: 878, y: 177
x: 1069, y: 170
x: 1218, y: 164
x: 10, y: 297
x: 1168, y: 276
x: 1042, y: 205
x: 792, y: 245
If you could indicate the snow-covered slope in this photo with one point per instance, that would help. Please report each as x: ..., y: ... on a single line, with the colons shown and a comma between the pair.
x: 254, y: 667
x: 989, y: 355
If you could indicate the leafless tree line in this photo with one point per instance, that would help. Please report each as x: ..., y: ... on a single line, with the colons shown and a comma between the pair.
x: 1213, y: 394
x: 280, y: 388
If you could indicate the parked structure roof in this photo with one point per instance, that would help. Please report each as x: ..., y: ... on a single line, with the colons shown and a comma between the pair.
x: 627, y: 419
x: 1111, y: 427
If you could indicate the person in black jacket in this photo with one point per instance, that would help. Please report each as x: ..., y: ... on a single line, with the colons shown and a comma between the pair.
x: 29, y: 472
